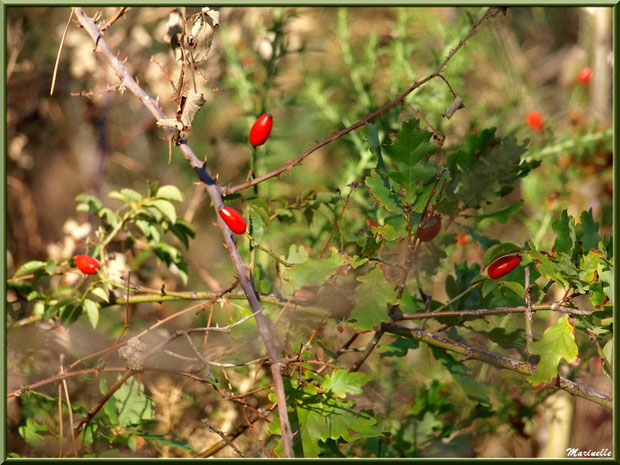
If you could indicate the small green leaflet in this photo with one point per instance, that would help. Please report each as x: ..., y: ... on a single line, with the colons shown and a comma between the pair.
x: 92, y: 312
x: 169, y: 192
x: 372, y: 300
x: 558, y: 342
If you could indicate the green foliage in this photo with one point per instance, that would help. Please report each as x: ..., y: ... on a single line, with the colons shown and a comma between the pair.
x: 344, y: 220
x: 557, y: 343
x: 485, y: 169
x: 319, y: 411
x: 372, y: 300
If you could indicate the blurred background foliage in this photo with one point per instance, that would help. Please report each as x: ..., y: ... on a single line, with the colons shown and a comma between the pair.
x: 316, y: 70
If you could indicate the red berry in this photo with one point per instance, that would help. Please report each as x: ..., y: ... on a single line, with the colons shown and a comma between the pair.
x: 261, y: 129
x: 429, y: 229
x: 584, y: 75
x: 503, y: 265
x: 233, y: 220
x: 534, y: 120
x: 86, y: 264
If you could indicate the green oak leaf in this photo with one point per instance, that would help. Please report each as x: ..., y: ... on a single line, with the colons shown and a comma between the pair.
x: 372, y: 300
x: 564, y: 228
x: 558, y: 342
x: 342, y: 382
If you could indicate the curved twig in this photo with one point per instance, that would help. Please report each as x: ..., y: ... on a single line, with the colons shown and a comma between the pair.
x: 490, y: 13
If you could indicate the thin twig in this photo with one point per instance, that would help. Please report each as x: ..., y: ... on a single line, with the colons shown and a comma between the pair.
x: 86, y: 420
x: 60, y: 420
x: 600, y: 353
x: 115, y: 345
x: 223, y: 436
x: 529, y: 338
x: 491, y: 12
x: 62, y: 41
x: 115, y: 17
x: 64, y: 385
x: 251, y: 427
x: 344, y: 207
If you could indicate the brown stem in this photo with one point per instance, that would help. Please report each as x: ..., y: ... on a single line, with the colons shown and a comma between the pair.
x: 497, y: 360
x: 86, y: 420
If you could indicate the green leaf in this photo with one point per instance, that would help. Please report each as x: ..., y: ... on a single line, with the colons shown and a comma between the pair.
x: 109, y: 216
x: 409, y: 153
x: 590, y: 238
x: 88, y: 203
x: 163, y: 441
x: 262, y: 209
x: 379, y: 188
x: 498, y: 250
x: 31, y: 431
x: 92, y: 312
x: 133, y: 405
x: 546, y: 267
x: 128, y: 195
x: 99, y: 292
x: 558, y: 342
x: 30, y: 267
x: 169, y: 192
x: 372, y: 136
x: 257, y: 227
x: 564, y: 228
x: 166, y: 208
x: 608, y: 351
x: 399, y: 347
x: 70, y: 313
x: 314, y: 271
x: 476, y: 391
x: 387, y: 232
x: 35, y: 295
x: 515, y: 287
x: 501, y: 216
x: 342, y: 382
x: 505, y: 339
x: 372, y: 300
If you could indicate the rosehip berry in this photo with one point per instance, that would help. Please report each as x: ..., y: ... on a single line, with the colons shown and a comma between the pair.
x: 86, y: 264
x: 534, y: 120
x: 503, y: 265
x: 261, y: 129
x: 233, y: 220
x: 429, y: 229
x: 584, y: 75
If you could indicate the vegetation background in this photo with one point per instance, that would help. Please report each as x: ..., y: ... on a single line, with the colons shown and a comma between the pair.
x: 316, y: 70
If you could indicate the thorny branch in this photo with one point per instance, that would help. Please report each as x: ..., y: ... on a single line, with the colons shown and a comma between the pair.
x: 490, y: 13
x: 216, y: 198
